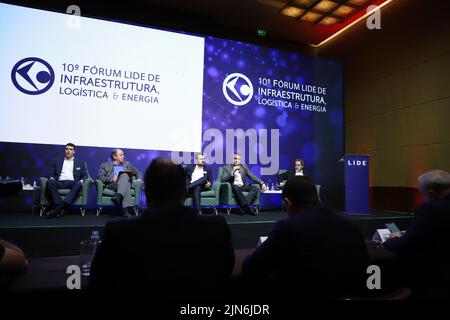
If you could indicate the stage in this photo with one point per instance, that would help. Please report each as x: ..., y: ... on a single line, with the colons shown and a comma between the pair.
x: 40, y: 237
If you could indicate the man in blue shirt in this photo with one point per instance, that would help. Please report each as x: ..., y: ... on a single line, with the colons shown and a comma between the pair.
x: 110, y: 174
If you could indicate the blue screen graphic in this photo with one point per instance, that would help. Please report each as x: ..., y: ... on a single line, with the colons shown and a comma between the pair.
x: 270, y: 105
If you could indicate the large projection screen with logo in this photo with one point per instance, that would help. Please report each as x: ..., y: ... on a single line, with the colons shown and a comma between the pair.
x: 81, y: 84
x: 158, y: 93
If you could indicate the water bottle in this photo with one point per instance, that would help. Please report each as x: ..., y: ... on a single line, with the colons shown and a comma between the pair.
x: 87, y: 252
x: 95, y: 240
x: 22, y: 179
x: 272, y: 187
x: 95, y: 236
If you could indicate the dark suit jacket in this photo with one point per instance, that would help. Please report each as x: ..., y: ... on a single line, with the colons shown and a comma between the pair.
x: 245, y: 173
x: 106, y: 171
x: 424, y: 250
x: 80, y: 170
x: 164, y: 252
x: 288, y: 174
x: 189, y: 169
x: 315, y: 254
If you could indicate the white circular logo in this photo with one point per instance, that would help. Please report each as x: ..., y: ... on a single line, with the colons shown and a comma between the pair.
x: 237, y: 89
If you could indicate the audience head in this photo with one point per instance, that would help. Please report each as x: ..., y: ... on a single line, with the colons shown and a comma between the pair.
x: 200, y: 159
x: 298, y: 193
x: 69, y: 150
x: 13, y: 262
x: 118, y: 156
x: 434, y: 184
x: 165, y: 183
x: 299, y: 164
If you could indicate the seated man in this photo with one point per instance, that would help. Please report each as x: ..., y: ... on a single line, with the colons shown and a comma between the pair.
x: 236, y: 174
x: 315, y: 253
x: 169, y: 251
x: 65, y: 173
x: 198, y: 179
x: 423, y: 248
x: 114, y: 174
x: 299, y: 164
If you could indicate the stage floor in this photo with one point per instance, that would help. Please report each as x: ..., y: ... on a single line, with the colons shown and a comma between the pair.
x: 40, y: 237
x: 74, y: 219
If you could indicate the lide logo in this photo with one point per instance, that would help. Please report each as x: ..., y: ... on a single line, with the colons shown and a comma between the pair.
x: 357, y: 163
x: 237, y: 89
x: 32, y: 76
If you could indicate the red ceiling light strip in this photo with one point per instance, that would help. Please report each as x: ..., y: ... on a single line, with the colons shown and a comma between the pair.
x: 351, y: 24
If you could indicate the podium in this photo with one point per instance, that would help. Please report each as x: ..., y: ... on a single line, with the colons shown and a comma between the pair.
x: 357, y: 183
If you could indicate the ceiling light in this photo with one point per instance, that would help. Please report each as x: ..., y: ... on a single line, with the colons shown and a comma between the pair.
x: 351, y: 24
x: 291, y: 11
x: 311, y: 16
x: 358, y: 2
x: 305, y: 3
x: 325, y: 5
x: 328, y: 21
x: 343, y: 11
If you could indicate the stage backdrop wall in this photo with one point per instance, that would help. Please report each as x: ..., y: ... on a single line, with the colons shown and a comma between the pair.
x: 160, y: 94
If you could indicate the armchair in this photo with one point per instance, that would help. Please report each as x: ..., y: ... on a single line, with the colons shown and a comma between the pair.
x: 226, y: 196
x: 80, y: 200
x: 209, y: 198
x: 104, y: 195
x: 281, y: 182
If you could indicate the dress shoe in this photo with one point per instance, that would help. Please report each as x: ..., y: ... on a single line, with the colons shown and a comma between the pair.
x: 251, y: 211
x: 60, y: 214
x: 117, y: 199
x: 49, y: 214
x: 55, y: 213
x: 126, y: 213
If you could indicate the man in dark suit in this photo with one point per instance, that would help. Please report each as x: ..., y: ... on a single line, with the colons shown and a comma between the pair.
x: 299, y: 164
x: 169, y: 251
x: 313, y: 254
x: 236, y: 175
x: 423, y: 249
x: 114, y: 174
x: 65, y: 173
x: 198, y: 179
